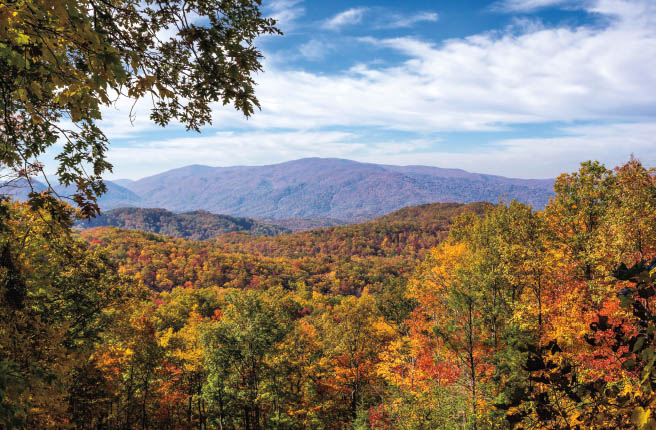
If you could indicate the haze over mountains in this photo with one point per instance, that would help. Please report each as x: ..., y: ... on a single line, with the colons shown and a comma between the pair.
x: 317, y: 188
x: 115, y: 197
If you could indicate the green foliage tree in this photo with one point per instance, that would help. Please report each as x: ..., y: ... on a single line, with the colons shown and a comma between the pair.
x: 578, y: 210
x: 243, y: 387
x: 61, y: 61
x: 54, y: 293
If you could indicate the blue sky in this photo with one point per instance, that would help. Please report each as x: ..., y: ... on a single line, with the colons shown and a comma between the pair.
x: 523, y: 88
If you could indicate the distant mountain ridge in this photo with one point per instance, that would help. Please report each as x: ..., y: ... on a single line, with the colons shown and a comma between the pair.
x: 116, y: 195
x: 197, y: 225
x: 326, y: 188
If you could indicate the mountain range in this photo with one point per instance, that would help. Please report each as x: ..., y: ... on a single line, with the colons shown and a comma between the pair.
x: 317, y: 188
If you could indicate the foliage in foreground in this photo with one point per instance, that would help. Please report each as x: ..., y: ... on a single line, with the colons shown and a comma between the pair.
x: 62, y: 61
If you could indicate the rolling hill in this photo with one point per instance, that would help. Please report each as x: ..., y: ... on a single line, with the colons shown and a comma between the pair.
x: 197, y: 225
x: 343, y: 260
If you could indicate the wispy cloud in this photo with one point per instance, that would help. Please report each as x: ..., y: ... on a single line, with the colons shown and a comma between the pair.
x: 528, y: 5
x: 396, y: 20
x: 285, y: 12
x: 315, y: 49
x: 227, y: 149
x: 543, y: 157
x: 483, y: 82
x: 486, y: 82
x: 611, y: 144
x: 342, y: 19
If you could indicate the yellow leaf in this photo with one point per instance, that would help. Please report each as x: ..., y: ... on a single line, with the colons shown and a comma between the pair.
x: 640, y: 417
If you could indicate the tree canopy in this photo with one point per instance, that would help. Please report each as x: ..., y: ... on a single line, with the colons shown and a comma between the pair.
x: 61, y: 61
x: 512, y: 319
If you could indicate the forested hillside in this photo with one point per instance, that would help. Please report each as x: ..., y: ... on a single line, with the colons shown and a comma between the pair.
x: 407, y: 232
x: 442, y: 316
x: 303, y: 224
x: 340, y: 260
x: 198, y: 225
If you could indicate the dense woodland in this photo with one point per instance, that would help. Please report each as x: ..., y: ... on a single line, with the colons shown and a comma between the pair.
x: 442, y: 316
x: 477, y: 317
x: 196, y: 225
x: 339, y: 260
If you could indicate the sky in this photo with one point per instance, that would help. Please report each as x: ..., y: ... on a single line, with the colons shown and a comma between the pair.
x: 519, y: 88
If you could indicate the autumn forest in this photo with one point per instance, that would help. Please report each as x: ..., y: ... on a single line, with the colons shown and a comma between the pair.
x: 442, y: 316
x: 169, y: 280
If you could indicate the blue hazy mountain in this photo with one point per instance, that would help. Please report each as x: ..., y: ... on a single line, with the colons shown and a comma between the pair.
x: 312, y: 188
x: 115, y: 197
x: 326, y: 188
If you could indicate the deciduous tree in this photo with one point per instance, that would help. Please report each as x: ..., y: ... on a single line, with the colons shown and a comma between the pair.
x: 61, y: 61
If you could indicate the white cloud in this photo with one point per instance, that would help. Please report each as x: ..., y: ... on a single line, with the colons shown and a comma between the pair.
x: 544, y: 157
x: 638, y: 13
x: 528, y: 5
x: 404, y: 21
x: 140, y: 159
x: 488, y: 81
x: 483, y: 82
x: 285, y: 12
x: 348, y: 17
x: 125, y: 118
x: 315, y: 49
x: 526, y: 158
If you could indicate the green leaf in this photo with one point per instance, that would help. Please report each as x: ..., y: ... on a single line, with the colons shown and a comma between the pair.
x: 629, y: 365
